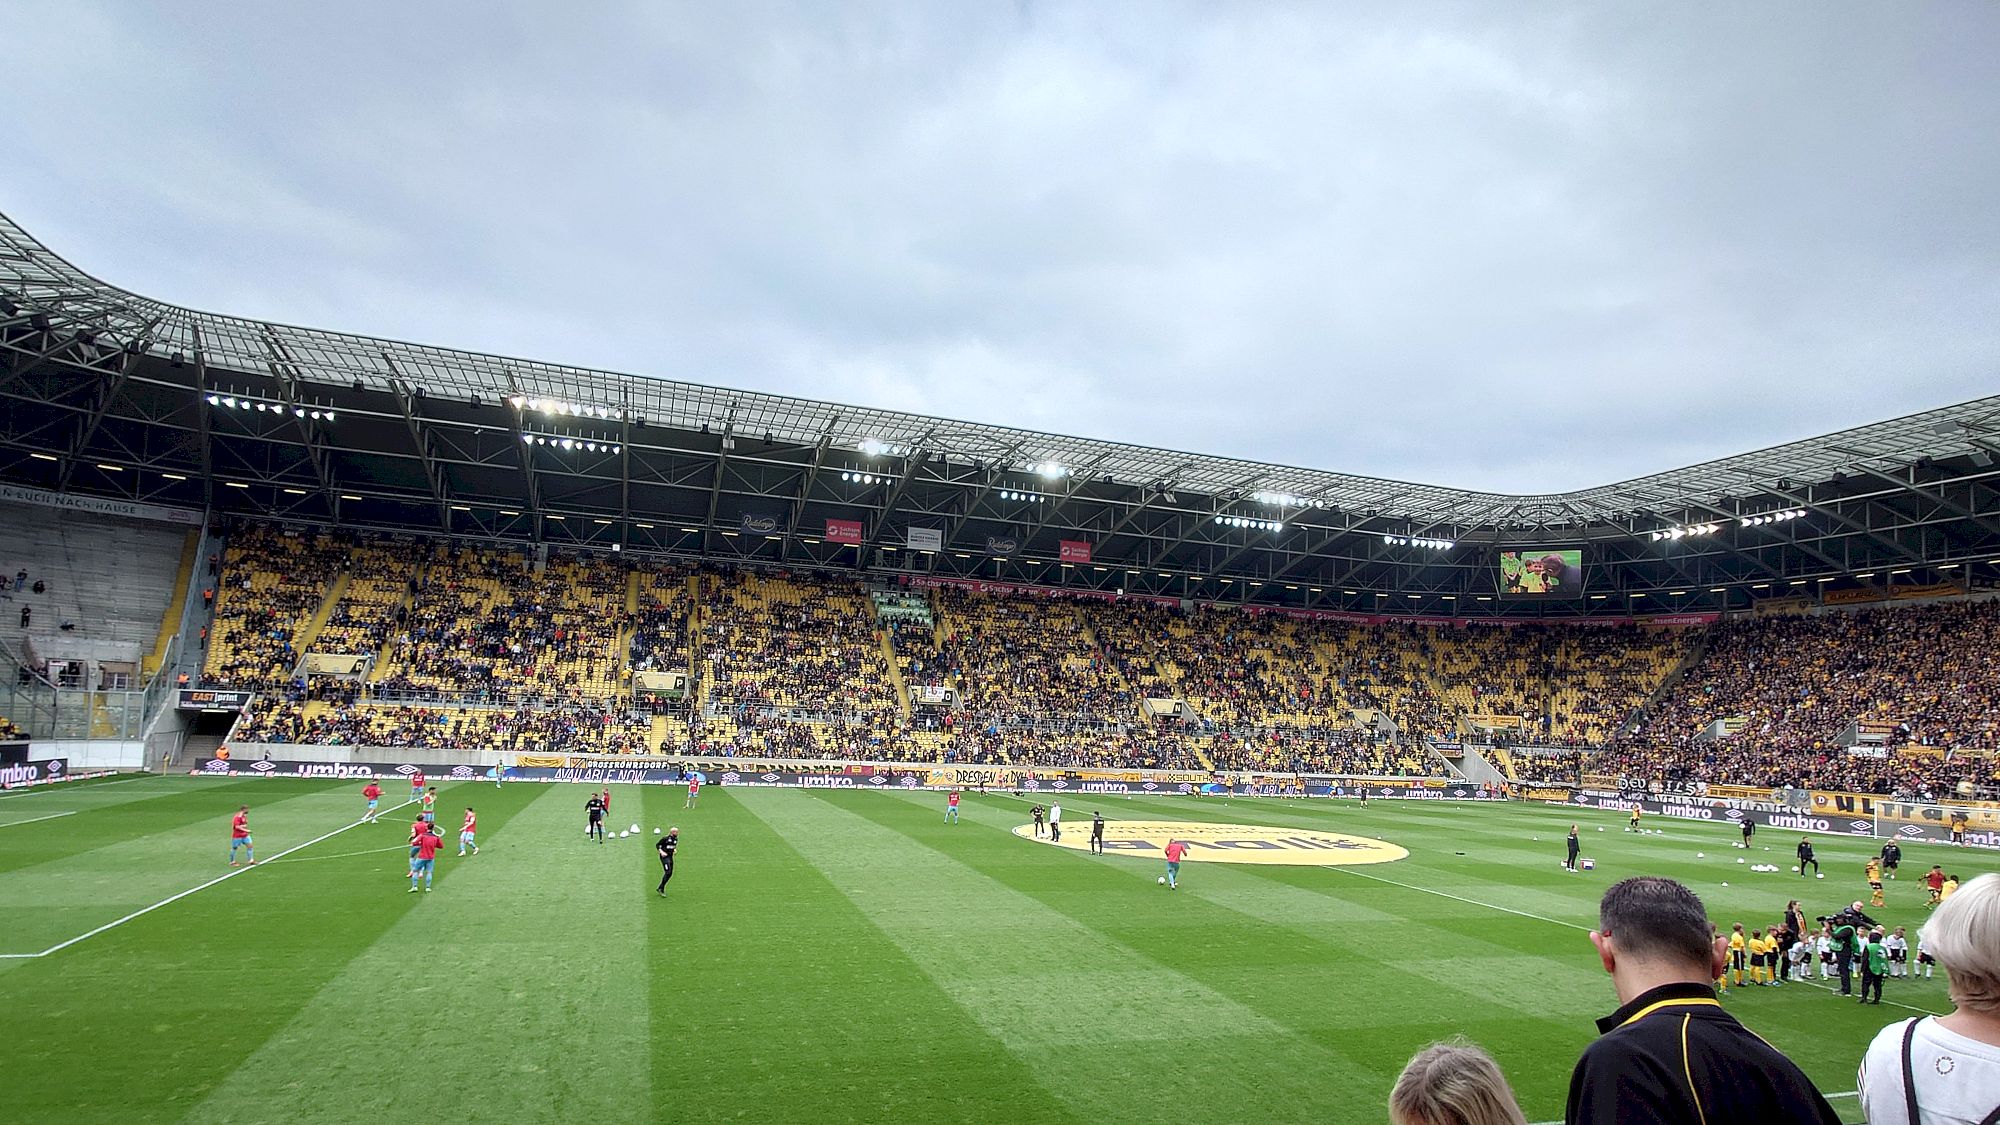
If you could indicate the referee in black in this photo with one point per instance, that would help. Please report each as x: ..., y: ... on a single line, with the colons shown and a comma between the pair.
x: 1670, y: 1054
x: 1806, y: 856
x: 1570, y: 863
x: 1097, y: 832
x: 667, y: 845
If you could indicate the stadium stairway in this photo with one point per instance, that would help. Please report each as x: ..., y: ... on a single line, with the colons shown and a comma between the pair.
x: 170, y: 622
x: 320, y: 616
x: 890, y: 662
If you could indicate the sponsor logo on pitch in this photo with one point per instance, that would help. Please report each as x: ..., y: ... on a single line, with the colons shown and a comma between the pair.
x: 1227, y: 843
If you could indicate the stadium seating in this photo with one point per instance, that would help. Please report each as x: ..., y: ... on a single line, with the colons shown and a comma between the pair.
x: 1792, y: 685
x: 274, y: 581
x: 109, y: 580
x: 791, y: 642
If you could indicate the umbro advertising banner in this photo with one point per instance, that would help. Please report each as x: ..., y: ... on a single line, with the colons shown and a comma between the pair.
x: 33, y: 773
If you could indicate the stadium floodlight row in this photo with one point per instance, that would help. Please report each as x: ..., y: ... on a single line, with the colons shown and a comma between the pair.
x: 113, y: 395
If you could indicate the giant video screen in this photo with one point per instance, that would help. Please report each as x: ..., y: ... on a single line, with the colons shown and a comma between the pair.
x: 1541, y: 572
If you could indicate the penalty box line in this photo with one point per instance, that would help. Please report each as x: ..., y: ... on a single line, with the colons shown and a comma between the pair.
x: 168, y: 901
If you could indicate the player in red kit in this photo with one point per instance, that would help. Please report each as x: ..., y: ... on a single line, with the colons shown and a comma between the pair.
x: 417, y: 786
x: 425, y: 864
x: 1175, y: 850
x: 466, y: 831
x: 373, y: 793
x: 694, y: 790
x: 416, y: 832
x: 239, y: 836
x: 951, y: 808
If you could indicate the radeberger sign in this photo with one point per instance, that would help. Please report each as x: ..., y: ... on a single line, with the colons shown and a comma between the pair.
x: 1224, y: 843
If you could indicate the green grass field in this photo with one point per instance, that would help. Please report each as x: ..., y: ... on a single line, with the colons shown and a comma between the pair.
x: 825, y: 956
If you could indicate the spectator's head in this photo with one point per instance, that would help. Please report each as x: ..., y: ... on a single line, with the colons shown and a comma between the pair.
x: 1653, y: 931
x: 1453, y: 1083
x: 1964, y: 935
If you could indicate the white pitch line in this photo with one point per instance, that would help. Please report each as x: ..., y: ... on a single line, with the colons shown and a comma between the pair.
x: 176, y: 898
x: 1467, y: 901
x: 340, y: 855
x: 33, y: 819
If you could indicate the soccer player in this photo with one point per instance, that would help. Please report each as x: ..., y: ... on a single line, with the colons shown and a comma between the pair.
x: 373, y: 793
x: 1934, y: 880
x: 417, y: 786
x: 1569, y: 864
x: 417, y: 830
x: 1097, y: 832
x: 1632, y: 825
x: 1738, y: 951
x: 1949, y: 888
x: 430, y: 804
x: 1055, y: 822
x: 424, y: 866
x: 667, y: 846
x: 1364, y: 795
x: 1873, y: 870
x: 1749, y: 828
x: 239, y: 836
x: 467, y: 833
x: 499, y: 773
x: 1892, y: 858
x: 1036, y: 812
x: 594, y: 809
x: 1898, y: 949
x: 1806, y: 856
x: 951, y: 808
x: 1926, y: 957
x: 694, y: 791
x: 1175, y: 850
x: 604, y: 796
x: 1958, y: 828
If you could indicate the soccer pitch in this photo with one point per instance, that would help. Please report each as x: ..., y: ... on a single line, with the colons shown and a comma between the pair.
x: 828, y: 956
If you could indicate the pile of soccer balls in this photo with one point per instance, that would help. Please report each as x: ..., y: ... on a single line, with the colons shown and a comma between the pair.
x: 1762, y: 866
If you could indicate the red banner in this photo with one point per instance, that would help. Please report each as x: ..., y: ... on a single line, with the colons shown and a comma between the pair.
x: 1074, y: 550
x: 843, y: 531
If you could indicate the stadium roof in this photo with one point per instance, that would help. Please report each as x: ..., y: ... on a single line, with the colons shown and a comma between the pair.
x: 352, y: 429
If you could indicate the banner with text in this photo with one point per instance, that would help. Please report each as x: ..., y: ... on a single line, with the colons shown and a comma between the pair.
x: 130, y: 509
x: 1073, y: 550
x: 925, y: 539
x: 843, y: 531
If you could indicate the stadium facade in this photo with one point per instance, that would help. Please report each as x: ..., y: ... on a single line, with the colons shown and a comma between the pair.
x: 116, y: 397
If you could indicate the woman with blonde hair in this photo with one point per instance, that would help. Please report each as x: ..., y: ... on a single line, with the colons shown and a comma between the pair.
x: 1946, y: 1069
x: 1453, y: 1083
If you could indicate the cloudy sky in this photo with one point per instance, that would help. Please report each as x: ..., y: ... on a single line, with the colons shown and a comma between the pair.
x: 1520, y: 247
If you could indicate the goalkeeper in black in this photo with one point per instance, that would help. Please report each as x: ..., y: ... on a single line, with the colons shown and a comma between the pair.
x: 667, y: 845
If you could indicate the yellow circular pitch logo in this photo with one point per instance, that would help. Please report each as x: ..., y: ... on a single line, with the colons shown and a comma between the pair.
x: 1223, y: 843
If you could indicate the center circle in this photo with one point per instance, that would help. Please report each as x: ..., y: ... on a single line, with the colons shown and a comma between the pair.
x: 1224, y: 843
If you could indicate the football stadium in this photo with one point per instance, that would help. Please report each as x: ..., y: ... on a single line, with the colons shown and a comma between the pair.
x: 395, y: 731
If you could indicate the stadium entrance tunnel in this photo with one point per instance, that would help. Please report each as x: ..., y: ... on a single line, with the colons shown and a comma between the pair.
x: 1224, y: 843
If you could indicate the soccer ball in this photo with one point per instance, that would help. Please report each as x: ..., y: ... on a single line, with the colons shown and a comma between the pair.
x: 1739, y: 859
x: 1795, y: 867
x: 1701, y: 855
x: 635, y: 828
x: 625, y: 833
x: 1163, y: 880
x: 1600, y: 828
x: 656, y: 832
x: 1820, y: 875
x: 1725, y: 884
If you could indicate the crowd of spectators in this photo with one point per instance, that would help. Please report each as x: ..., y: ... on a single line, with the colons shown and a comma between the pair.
x: 382, y: 577
x: 1787, y: 688
x: 791, y: 642
x: 487, y: 625
x: 1021, y: 660
x: 274, y: 581
x: 569, y: 729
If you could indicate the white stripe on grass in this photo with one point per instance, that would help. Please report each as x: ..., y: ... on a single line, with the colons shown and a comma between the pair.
x: 171, y: 899
x: 33, y: 819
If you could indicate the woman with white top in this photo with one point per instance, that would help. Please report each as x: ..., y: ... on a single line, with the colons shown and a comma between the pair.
x: 1945, y: 1070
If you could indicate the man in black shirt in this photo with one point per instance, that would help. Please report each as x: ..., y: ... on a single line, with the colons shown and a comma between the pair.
x: 1806, y: 856
x: 666, y: 846
x: 1570, y: 863
x: 594, y: 808
x: 1670, y: 1054
x: 1892, y: 858
x: 1036, y: 812
x: 1097, y: 832
x: 1749, y: 829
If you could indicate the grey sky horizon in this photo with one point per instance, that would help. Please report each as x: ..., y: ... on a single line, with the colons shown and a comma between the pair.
x: 1505, y: 248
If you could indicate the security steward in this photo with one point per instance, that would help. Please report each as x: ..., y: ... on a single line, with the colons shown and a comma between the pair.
x: 1670, y: 1054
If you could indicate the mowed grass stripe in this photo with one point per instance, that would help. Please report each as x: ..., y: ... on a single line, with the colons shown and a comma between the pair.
x: 1118, y: 1035
x: 776, y: 998
x: 519, y: 986
x: 140, y: 1023
x: 1275, y: 942
x: 106, y: 817
x: 107, y: 862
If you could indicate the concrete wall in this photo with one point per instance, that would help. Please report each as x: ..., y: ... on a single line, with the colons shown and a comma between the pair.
x: 92, y: 754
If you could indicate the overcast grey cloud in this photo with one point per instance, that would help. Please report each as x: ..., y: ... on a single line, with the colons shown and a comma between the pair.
x: 1520, y: 247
